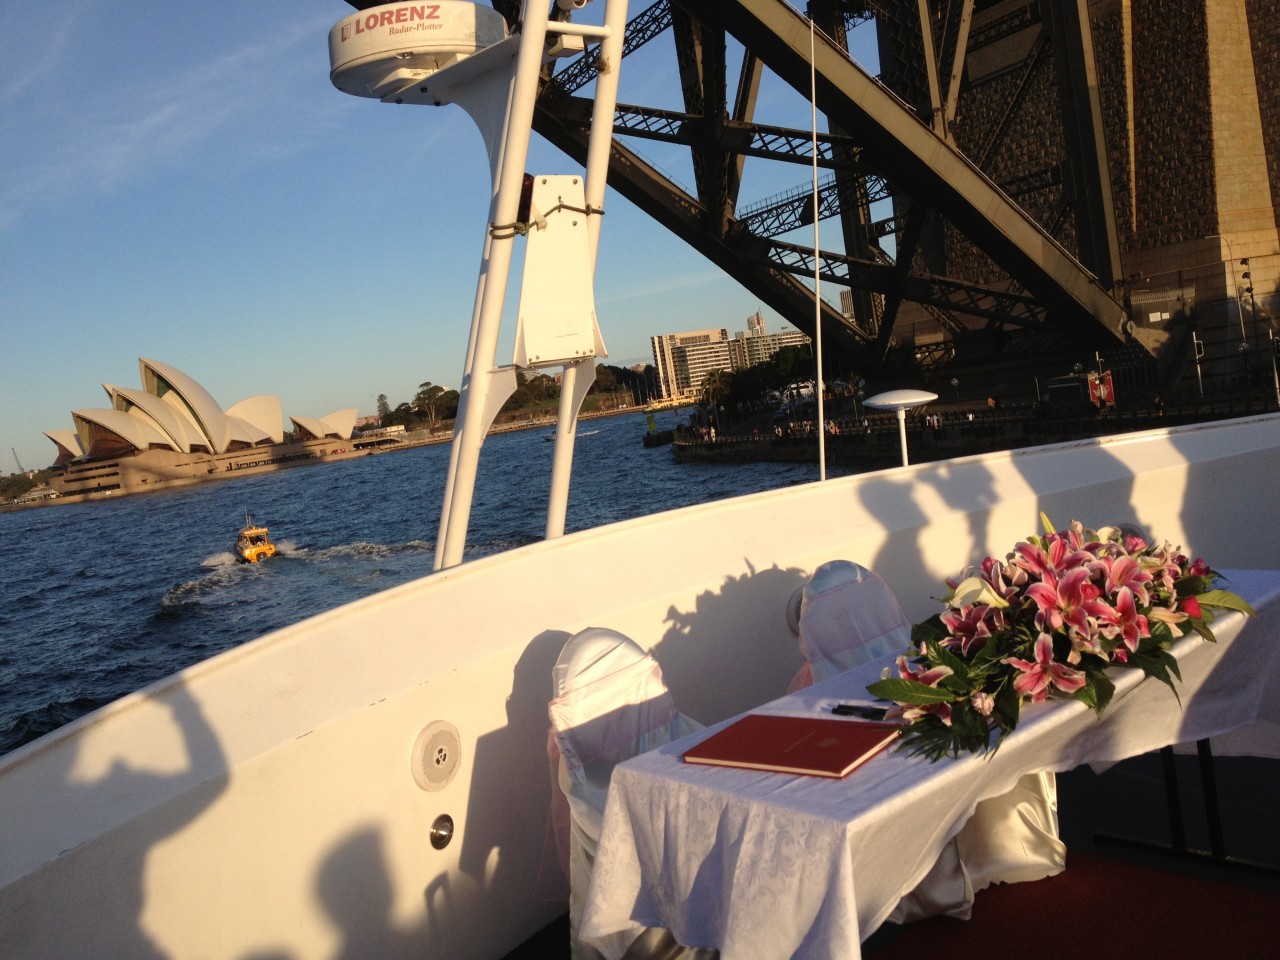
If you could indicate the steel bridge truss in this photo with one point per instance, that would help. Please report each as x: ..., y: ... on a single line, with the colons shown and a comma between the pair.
x: 884, y: 148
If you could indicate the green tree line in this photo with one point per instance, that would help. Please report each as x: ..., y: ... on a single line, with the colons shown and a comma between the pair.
x: 433, y: 405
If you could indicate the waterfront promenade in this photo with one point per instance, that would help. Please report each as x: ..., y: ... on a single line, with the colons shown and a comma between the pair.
x: 870, y: 440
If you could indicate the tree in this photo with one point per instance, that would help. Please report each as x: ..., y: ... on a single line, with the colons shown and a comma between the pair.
x: 606, y: 378
x: 384, y: 408
x: 794, y: 363
x: 402, y: 414
x: 716, y: 386
x: 427, y: 400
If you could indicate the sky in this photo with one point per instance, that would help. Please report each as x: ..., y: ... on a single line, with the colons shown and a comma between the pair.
x: 182, y: 182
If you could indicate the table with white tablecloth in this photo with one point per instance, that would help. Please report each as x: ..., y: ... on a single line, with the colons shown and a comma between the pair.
x: 772, y: 866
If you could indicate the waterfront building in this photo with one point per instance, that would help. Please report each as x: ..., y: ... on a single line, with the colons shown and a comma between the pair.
x: 684, y: 359
x: 757, y: 345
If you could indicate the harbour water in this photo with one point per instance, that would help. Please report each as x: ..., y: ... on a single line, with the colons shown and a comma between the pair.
x: 100, y: 599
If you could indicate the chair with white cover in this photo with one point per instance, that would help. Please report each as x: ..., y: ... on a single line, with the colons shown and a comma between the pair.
x: 610, y: 703
x: 847, y: 616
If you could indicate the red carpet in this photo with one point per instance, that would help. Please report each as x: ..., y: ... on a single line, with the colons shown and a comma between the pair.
x: 1101, y: 909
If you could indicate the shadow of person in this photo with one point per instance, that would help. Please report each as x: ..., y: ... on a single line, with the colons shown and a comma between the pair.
x: 697, y: 651
x: 901, y: 560
x: 91, y: 901
x: 510, y: 771
x: 354, y: 887
x: 1221, y: 516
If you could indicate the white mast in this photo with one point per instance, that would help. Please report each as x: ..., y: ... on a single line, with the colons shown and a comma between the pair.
x: 497, y: 83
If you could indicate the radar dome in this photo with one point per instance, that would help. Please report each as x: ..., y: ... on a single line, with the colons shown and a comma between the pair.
x: 384, y: 50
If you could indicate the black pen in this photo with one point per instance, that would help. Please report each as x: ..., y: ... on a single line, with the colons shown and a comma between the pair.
x: 864, y: 711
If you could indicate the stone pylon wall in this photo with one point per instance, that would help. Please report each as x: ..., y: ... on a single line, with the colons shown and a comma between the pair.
x: 1190, y: 100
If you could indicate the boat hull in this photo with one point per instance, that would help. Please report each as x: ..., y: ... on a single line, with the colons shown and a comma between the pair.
x: 253, y: 545
x: 264, y: 802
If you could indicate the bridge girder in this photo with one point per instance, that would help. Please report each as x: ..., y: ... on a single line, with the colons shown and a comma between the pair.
x: 895, y: 154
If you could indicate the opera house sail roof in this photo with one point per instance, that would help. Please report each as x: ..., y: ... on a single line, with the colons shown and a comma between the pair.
x: 174, y: 411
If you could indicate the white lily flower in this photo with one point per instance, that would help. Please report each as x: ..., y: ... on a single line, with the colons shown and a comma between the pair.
x: 974, y: 590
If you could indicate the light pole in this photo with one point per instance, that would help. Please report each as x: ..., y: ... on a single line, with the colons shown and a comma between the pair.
x: 901, y: 400
x: 1247, y: 277
x: 955, y: 385
x: 1235, y: 284
x: 1275, y: 374
x: 1198, y: 346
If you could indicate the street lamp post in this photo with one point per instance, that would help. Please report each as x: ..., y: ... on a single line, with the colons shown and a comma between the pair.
x: 1235, y: 285
x: 955, y: 385
x: 901, y: 401
x: 1247, y: 277
x: 1198, y: 347
x: 1275, y: 374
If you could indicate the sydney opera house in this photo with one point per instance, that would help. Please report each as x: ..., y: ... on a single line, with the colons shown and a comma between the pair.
x: 172, y: 432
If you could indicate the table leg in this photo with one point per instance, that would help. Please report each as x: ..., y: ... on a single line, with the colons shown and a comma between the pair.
x: 1178, y: 847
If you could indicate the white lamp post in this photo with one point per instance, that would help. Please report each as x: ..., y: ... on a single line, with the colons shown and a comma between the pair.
x: 901, y: 400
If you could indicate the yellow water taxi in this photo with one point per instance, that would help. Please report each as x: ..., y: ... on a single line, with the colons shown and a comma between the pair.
x: 253, y: 544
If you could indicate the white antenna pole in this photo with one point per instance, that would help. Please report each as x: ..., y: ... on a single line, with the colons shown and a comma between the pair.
x: 817, y: 262
x: 579, y: 376
x: 473, y: 413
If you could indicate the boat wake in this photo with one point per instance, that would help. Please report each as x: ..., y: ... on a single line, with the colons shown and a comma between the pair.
x: 221, y: 575
x: 361, y: 549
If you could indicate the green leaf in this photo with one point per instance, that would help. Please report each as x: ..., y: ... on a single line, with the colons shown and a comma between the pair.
x: 1160, y: 664
x: 927, y: 630
x: 969, y: 729
x: 1097, y: 692
x: 928, y: 737
x: 1202, y: 628
x: 1226, y: 600
x: 1088, y: 696
x: 1192, y: 586
x: 944, y: 656
x: 908, y: 691
x: 1008, y: 706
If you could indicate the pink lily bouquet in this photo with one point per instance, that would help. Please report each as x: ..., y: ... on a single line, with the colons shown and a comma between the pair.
x: 1047, y: 621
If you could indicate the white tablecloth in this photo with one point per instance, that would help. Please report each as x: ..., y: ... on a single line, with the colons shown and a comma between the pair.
x: 768, y: 866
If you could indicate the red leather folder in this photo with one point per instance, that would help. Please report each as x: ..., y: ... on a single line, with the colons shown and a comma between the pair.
x: 815, y: 746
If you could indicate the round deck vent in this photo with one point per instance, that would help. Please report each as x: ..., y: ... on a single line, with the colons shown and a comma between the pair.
x: 437, y: 755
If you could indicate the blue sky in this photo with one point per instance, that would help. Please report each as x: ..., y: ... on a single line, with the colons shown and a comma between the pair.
x: 182, y: 182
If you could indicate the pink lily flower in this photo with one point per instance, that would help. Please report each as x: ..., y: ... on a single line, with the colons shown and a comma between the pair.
x: 1130, y: 624
x: 969, y: 628
x: 1036, y: 678
x: 930, y: 678
x: 1124, y: 572
x: 1069, y: 603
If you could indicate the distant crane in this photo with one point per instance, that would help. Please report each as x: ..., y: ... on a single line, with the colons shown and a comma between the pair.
x: 15, y: 457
